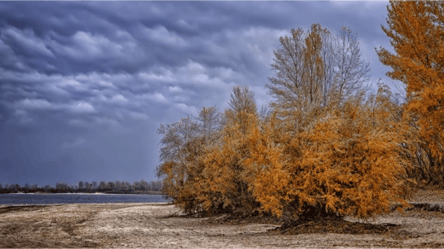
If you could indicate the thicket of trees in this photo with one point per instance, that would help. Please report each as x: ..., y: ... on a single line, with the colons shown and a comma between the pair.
x: 123, y: 187
x: 329, y: 146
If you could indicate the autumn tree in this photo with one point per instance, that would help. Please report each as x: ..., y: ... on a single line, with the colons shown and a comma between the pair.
x: 329, y: 149
x: 416, y: 32
x: 349, y: 162
x: 224, y: 187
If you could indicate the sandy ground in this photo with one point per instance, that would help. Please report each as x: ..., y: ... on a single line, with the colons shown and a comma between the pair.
x: 157, y: 225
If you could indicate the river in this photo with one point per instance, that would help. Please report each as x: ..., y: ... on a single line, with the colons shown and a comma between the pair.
x: 39, y: 199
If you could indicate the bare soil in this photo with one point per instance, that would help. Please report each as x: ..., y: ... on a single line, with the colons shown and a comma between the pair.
x: 163, y: 226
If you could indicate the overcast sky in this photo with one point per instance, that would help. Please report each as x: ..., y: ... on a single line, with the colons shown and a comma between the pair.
x: 84, y: 86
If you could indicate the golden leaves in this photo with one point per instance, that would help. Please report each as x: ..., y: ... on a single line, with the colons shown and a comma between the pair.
x: 416, y: 30
x: 346, y: 162
x: 335, y: 153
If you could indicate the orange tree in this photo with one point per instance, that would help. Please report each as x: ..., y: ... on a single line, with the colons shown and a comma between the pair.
x: 416, y: 32
x: 203, y: 160
x: 224, y: 183
x: 347, y: 162
x: 327, y: 151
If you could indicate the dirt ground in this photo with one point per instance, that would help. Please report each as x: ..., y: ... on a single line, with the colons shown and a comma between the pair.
x: 159, y: 225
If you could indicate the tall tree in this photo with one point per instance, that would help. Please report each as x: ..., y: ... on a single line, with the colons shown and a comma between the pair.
x: 416, y: 32
x: 315, y: 68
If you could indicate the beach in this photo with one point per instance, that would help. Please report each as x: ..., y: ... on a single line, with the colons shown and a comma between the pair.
x: 161, y: 225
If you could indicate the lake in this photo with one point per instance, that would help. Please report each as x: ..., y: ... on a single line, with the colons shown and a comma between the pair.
x: 22, y: 199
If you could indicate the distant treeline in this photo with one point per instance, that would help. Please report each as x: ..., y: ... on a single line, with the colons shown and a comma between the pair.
x: 116, y: 187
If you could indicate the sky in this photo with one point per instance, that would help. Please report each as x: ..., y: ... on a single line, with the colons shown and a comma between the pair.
x: 84, y: 86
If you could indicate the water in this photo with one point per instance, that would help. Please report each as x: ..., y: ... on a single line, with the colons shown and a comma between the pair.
x: 23, y: 199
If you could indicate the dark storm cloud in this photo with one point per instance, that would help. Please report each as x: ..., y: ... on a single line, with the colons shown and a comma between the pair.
x: 85, y: 85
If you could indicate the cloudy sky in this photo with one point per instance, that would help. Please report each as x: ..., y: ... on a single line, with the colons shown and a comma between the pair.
x: 85, y: 85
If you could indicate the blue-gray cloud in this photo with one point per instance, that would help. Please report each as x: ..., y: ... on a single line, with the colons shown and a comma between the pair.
x: 85, y: 85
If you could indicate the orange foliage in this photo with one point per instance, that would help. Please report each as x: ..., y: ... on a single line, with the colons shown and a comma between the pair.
x: 326, y: 149
x: 348, y: 162
x: 225, y: 180
x: 416, y: 32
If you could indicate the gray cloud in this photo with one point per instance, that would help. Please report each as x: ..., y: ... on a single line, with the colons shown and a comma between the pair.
x: 85, y: 85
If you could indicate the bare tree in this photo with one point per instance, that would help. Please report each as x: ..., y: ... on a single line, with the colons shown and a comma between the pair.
x: 182, y: 145
x: 175, y: 150
x: 315, y: 69
x: 210, y: 123
x: 81, y: 185
x: 242, y: 104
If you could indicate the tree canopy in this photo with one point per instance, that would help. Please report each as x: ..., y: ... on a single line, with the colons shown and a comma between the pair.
x: 416, y: 32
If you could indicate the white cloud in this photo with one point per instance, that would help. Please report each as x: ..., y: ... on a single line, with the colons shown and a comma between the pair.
x: 138, y: 116
x: 119, y: 99
x: 175, y: 89
x: 160, y: 34
x: 27, y: 40
x: 82, y: 107
x: 85, y: 45
x: 165, y: 76
x: 157, y: 97
x: 23, y: 117
x: 42, y: 104
x: 186, y: 109
x: 70, y: 83
x: 185, y: 25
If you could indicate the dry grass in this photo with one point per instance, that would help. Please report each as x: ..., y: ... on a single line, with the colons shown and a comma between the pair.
x: 153, y: 225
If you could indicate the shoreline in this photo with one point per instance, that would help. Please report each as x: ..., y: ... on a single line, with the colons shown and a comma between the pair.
x: 161, y: 225
x: 103, y: 203
x: 80, y: 193
x: 78, y: 198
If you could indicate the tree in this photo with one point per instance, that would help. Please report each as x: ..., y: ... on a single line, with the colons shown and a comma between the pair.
x: 48, y: 187
x: 349, y: 162
x: 102, y: 185
x: 111, y: 185
x: 62, y: 187
x: 416, y: 32
x: 182, y: 144
x: 156, y: 185
x: 210, y: 122
x: 224, y: 185
x: 316, y: 69
x: 26, y: 187
x: 327, y: 150
x: 119, y: 185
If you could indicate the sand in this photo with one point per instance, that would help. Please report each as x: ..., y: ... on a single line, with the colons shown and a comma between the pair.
x: 160, y: 225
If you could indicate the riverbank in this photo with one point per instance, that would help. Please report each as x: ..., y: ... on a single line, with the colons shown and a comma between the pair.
x: 160, y: 225
x: 136, y: 192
